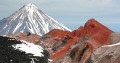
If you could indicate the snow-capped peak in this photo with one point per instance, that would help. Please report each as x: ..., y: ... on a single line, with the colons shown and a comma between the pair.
x: 29, y: 8
x: 29, y: 19
x: 31, y: 5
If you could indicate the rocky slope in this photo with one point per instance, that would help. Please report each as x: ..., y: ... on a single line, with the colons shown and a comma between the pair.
x: 97, y: 45
x: 85, y: 44
x: 107, y: 54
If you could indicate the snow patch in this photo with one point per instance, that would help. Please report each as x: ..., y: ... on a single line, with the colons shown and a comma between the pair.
x: 29, y: 48
x: 112, y: 45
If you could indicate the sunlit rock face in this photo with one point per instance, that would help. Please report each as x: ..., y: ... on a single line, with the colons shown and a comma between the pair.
x: 14, y: 51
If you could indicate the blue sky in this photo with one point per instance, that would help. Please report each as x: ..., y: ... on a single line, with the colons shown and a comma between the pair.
x: 72, y: 13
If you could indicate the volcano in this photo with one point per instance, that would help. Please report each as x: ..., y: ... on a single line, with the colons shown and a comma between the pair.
x: 29, y: 19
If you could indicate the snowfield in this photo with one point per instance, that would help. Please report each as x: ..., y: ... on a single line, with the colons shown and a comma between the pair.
x: 29, y: 48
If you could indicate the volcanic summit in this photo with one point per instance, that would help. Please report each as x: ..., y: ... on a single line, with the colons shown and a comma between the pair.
x: 29, y: 19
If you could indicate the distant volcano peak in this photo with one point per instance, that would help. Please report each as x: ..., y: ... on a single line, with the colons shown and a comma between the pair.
x: 29, y: 19
x: 30, y: 6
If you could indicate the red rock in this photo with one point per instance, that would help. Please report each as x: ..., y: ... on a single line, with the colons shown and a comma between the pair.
x: 74, y: 35
x: 98, y: 35
x: 94, y: 36
x: 58, y: 33
x: 78, y: 32
x: 62, y: 50
x: 97, y: 31
x: 61, y: 34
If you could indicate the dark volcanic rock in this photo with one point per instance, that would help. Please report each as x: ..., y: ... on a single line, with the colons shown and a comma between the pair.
x: 9, y: 54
